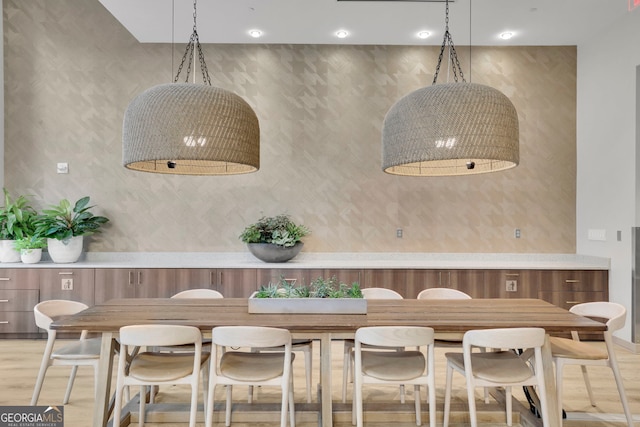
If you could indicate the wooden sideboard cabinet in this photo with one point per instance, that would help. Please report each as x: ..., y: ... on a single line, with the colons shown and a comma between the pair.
x: 395, y: 279
x: 468, y: 281
x: 74, y: 284
x: 19, y: 293
x: 230, y: 282
x: 134, y: 283
x: 566, y: 288
x: 511, y: 283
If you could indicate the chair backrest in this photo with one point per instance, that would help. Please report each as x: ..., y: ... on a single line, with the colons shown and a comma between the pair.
x: 507, y: 338
x: 198, y: 293
x: 395, y: 336
x: 442, y: 293
x: 250, y: 336
x: 380, y: 293
x: 48, y: 311
x: 159, y: 335
x: 614, y: 313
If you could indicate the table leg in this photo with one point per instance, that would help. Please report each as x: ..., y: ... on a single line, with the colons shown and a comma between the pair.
x: 325, y: 380
x: 103, y: 386
x: 550, y: 385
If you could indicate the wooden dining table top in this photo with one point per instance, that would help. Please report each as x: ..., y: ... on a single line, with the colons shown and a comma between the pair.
x: 442, y: 315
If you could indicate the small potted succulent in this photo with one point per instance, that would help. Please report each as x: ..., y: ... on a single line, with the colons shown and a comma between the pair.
x: 274, y: 239
x: 64, y: 225
x: 30, y: 248
x: 16, y: 221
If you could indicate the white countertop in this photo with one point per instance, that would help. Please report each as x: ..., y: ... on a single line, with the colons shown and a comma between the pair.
x: 330, y: 260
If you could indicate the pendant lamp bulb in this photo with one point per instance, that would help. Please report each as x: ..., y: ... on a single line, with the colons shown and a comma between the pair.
x: 188, y: 128
x: 456, y: 128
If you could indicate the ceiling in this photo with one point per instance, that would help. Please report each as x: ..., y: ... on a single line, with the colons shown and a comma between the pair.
x: 392, y: 22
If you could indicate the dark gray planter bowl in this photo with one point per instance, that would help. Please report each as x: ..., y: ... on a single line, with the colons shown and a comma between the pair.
x: 268, y: 252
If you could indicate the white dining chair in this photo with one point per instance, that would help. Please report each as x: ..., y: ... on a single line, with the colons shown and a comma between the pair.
x: 501, y: 367
x: 575, y: 352
x: 198, y: 293
x: 347, y: 363
x: 395, y: 367
x: 153, y: 368
x: 237, y: 367
x: 442, y: 293
x: 83, y: 352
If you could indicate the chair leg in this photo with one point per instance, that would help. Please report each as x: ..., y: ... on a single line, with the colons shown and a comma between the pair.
x: 308, y: 366
x: 44, y: 365
x: 72, y: 378
x: 402, y: 394
x: 292, y: 404
x: 509, y: 402
x: 623, y: 395
x: 346, y: 367
x: 208, y: 418
x: 227, y: 416
x: 471, y: 397
x: 194, y: 404
x: 431, y: 389
x: 447, y: 395
x: 587, y: 384
x: 143, y: 404
x: 559, y: 387
x: 416, y: 395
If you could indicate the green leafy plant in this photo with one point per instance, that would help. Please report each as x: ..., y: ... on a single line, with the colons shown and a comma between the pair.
x: 63, y: 221
x: 17, y: 217
x: 30, y: 242
x: 319, y: 288
x: 279, y: 230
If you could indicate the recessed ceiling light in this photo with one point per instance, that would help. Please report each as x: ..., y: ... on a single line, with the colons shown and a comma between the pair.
x: 423, y: 34
x: 255, y: 33
x: 342, y: 34
x: 506, y: 35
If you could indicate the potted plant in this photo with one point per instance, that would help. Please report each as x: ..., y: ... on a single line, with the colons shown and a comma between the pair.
x: 321, y: 296
x: 64, y: 226
x: 30, y: 248
x: 16, y: 221
x: 274, y: 239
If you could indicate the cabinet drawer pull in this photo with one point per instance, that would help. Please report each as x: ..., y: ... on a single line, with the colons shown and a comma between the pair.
x: 572, y: 281
x: 139, y: 277
x: 5, y: 279
x: 65, y: 273
x: 512, y: 274
x: 4, y: 322
x: 572, y: 302
x: 131, y: 277
x: 4, y: 300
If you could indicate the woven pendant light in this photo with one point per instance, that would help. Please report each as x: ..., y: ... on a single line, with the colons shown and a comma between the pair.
x: 189, y: 128
x: 455, y: 128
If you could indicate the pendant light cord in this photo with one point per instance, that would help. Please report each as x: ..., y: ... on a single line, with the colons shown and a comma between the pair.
x: 192, y: 46
x: 452, y: 52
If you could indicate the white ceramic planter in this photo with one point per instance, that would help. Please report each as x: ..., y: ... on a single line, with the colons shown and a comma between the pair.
x: 31, y: 256
x: 65, y: 251
x: 308, y: 305
x: 8, y: 252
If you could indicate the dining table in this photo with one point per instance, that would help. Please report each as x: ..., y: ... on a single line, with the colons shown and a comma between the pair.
x: 442, y: 315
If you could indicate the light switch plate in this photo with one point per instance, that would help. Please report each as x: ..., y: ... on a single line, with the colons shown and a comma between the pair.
x: 597, y: 234
x: 62, y: 168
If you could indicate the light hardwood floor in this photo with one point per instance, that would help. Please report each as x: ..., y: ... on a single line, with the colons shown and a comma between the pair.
x: 20, y: 359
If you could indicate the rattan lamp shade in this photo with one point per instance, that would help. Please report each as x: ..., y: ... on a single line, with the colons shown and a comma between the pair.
x: 450, y: 129
x: 190, y: 129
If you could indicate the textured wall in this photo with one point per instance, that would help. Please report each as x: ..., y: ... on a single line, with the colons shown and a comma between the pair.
x: 71, y: 70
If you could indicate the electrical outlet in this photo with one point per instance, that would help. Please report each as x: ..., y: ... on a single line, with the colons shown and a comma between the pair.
x: 512, y: 286
x: 67, y: 284
x: 399, y: 233
x: 517, y: 233
x: 62, y: 168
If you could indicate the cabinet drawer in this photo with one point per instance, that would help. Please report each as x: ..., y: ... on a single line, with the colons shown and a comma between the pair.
x: 18, y: 299
x: 19, y: 278
x: 574, y: 280
x: 17, y: 322
x: 567, y: 300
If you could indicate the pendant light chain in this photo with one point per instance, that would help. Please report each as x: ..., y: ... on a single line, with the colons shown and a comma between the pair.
x: 192, y: 45
x: 452, y: 52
